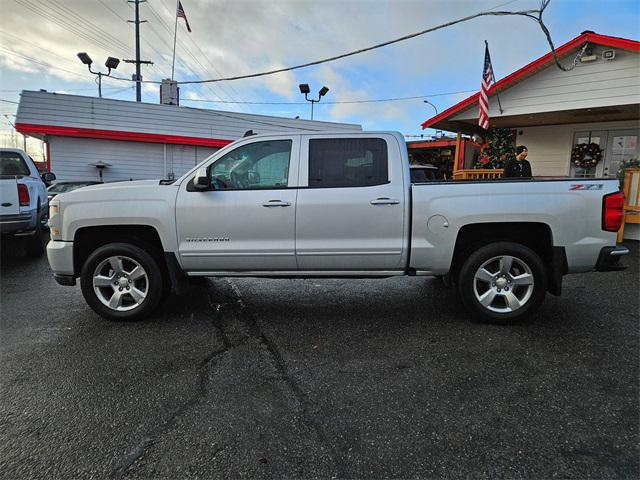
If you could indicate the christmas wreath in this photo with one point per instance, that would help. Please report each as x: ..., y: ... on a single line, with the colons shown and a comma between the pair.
x: 586, y: 155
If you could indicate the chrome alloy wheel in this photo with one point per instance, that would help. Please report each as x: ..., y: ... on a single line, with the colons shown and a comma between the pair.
x: 120, y: 283
x: 503, y: 284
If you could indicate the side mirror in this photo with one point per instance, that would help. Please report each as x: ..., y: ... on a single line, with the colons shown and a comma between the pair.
x: 202, y: 181
x: 48, y: 177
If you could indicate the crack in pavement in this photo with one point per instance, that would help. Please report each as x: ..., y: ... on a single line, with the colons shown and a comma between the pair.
x: 296, y: 390
x: 253, y: 331
x: 201, y: 391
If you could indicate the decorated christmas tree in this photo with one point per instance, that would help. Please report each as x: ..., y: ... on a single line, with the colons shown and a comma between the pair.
x: 498, y: 147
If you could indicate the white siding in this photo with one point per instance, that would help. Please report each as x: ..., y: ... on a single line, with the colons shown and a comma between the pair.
x: 550, y: 145
x: 70, y: 159
x: 590, y: 85
x: 43, y: 108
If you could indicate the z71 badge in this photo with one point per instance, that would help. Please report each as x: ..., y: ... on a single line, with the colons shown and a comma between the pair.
x: 586, y: 186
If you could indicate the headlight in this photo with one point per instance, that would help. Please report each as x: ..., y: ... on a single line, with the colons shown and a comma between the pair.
x: 54, y: 220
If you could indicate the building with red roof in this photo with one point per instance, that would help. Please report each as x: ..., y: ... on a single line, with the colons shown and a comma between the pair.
x: 551, y: 111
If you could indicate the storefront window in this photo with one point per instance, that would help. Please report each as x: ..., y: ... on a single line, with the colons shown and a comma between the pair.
x: 623, y: 147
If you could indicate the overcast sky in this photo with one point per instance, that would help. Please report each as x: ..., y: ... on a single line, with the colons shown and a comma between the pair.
x: 39, y: 40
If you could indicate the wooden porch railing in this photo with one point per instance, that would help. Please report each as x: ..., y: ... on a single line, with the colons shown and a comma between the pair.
x: 631, y: 189
x: 478, y: 174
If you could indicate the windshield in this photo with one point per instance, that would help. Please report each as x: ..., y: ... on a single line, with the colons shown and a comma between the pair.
x: 67, y: 187
x: 12, y: 163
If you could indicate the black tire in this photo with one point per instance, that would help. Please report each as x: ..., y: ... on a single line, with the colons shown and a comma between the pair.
x: 529, y: 299
x: 35, y: 245
x: 154, y: 282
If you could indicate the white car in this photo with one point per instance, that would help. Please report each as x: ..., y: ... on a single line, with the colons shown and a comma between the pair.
x: 24, y: 203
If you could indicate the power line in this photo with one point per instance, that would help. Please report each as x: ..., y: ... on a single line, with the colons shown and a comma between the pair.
x: 147, y: 43
x: 65, y: 24
x: 8, y: 101
x: 31, y: 59
x: 162, y: 39
x: 261, y: 122
x: 84, y: 21
x: 39, y: 47
x: 534, y: 14
x: 188, y: 52
x: 71, y: 89
x: 379, y: 100
x: 209, y: 61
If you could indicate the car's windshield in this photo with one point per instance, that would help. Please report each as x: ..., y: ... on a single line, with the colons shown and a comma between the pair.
x: 66, y: 187
x: 12, y: 163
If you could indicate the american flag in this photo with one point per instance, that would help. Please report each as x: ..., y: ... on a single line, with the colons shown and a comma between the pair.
x: 180, y: 13
x: 487, y: 78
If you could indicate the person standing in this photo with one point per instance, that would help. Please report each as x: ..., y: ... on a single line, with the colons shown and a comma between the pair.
x: 518, y: 167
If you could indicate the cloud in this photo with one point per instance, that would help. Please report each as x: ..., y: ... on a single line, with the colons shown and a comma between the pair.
x: 234, y: 37
x: 151, y: 88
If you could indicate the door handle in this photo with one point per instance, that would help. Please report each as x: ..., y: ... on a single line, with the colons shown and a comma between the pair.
x: 385, y: 201
x: 276, y: 203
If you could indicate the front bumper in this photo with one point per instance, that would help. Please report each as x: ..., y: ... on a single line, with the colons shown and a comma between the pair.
x: 609, y: 259
x: 60, y: 255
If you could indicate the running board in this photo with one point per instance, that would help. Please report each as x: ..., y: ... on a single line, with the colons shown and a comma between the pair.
x: 305, y: 273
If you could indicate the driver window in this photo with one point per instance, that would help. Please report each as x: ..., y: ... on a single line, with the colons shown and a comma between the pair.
x: 254, y: 166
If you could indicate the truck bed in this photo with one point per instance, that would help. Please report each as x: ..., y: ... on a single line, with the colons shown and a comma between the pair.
x: 563, y: 206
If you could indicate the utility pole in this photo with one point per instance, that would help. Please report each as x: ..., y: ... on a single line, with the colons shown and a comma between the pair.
x: 137, y: 61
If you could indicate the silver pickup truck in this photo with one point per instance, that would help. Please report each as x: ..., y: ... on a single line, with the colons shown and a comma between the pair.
x: 332, y: 205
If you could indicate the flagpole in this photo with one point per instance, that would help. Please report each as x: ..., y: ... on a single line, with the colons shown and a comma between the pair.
x: 494, y: 82
x: 175, y: 36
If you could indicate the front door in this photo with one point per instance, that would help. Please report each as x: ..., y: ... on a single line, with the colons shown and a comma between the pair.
x: 247, y: 222
x: 616, y: 145
x: 350, y: 214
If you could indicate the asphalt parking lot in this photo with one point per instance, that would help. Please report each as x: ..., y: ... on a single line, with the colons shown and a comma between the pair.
x: 249, y: 378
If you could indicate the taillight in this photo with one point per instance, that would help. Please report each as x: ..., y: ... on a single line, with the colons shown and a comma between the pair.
x: 612, y: 211
x: 23, y: 195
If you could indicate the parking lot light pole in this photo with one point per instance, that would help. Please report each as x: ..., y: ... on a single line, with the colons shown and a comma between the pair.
x: 304, y: 88
x: 429, y: 103
x: 111, y: 63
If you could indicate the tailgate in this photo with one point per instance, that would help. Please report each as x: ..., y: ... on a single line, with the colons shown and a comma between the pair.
x: 9, y: 202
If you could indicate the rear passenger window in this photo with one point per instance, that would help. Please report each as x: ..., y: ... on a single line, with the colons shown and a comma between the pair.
x: 347, y: 162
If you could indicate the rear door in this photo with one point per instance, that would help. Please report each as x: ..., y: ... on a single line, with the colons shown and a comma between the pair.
x: 350, y: 213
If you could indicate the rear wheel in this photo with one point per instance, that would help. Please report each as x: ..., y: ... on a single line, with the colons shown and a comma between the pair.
x: 503, y: 282
x: 121, y: 281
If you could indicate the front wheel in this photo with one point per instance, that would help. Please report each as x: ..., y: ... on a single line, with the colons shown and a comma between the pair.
x: 502, y: 282
x: 121, y: 281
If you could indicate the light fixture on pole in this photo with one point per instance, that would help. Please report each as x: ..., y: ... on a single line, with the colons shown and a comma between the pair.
x: 429, y: 103
x: 304, y: 88
x: 111, y: 63
x: 100, y: 166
